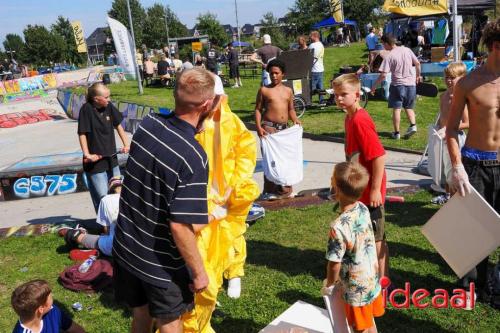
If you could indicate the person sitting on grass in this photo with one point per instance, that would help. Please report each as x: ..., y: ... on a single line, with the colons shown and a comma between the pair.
x: 352, y: 258
x: 33, y: 303
x: 106, y: 216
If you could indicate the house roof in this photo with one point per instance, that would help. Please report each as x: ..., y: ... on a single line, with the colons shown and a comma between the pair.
x: 247, y: 29
x: 98, y: 37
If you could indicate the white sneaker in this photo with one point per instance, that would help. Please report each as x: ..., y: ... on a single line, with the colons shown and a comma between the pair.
x: 235, y: 86
x: 410, y: 131
x: 395, y: 136
x: 234, y: 288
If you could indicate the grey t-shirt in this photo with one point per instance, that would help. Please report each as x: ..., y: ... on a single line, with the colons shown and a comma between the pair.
x: 268, y: 52
x: 399, y: 62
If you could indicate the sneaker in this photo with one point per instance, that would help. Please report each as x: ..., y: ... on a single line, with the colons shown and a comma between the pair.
x: 235, y: 86
x: 255, y: 213
x: 395, y: 136
x: 234, y: 288
x: 71, y: 236
x: 410, y: 131
x: 441, y: 199
x: 269, y: 196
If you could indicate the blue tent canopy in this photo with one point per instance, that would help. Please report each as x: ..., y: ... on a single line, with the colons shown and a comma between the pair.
x: 242, y: 44
x: 328, y: 22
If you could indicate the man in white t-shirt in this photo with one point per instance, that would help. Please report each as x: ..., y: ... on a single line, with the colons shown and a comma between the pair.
x: 318, y: 67
x: 106, y: 216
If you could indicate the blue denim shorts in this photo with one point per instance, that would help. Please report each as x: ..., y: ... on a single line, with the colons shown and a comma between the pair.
x: 402, y: 97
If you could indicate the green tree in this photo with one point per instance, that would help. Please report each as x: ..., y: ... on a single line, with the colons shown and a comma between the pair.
x: 14, y: 43
x: 42, y: 46
x: 209, y: 25
x: 271, y: 26
x: 361, y: 11
x: 155, y: 31
x: 63, y: 28
x: 305, y: 13
x: 119, y: 12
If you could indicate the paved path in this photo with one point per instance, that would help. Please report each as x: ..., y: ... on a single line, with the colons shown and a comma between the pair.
x: 53, y: 137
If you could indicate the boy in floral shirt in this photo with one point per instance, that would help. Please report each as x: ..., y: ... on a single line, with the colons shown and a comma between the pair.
x: 351, y: 253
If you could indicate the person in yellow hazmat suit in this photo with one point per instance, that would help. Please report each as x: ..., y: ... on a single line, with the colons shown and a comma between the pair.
x: 232, y: 151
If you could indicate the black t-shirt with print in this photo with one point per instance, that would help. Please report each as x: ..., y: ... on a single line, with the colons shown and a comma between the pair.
x: 98, y: 125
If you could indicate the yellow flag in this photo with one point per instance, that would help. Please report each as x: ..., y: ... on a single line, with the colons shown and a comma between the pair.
x: 337, y: 10
x: 416, y: 7
x: 78, y: 33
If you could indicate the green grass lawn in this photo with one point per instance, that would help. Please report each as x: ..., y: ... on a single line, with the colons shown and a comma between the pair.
x: 327, y: 121
x: 285, y: 263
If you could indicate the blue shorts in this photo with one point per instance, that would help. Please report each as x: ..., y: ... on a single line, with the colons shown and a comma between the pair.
x: 402, y: 97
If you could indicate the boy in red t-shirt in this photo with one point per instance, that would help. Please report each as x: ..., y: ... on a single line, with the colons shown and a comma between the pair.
x: 363, y: 145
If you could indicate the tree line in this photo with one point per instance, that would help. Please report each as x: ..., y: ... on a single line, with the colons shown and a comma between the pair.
x: 43, y: 46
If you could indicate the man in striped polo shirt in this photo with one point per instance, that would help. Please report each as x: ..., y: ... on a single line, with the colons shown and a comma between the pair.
x: 163, y: 204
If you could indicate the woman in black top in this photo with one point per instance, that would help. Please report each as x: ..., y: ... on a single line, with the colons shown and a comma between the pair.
x: 96, y: 124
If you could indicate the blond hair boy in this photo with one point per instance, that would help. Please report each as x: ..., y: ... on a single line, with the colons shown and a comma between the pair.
x: 363, y: 145
x: 351, y: 254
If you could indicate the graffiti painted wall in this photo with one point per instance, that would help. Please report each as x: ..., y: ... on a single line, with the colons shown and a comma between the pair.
x: 48, y: 185
x: 45, y: 176
x: 132, y: 113
x: 15, y: 119
x: 23, y: 96
x: 44, y: 82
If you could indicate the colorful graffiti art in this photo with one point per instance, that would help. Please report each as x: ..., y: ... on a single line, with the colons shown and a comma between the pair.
x: 22, y: 96
x: 15, y: 119
x: 48, y: 185
x: 44, y: 82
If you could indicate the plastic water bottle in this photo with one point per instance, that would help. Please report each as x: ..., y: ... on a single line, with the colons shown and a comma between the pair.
x: 85, y: 266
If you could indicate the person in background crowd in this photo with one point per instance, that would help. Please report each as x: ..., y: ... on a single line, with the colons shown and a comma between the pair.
x: 371, y: 42
x: 234, y: 65
x: 212, y: 58
x: 318, y: 68
x: 266, y: 53
x: 302, y: 43
x: 140, y: 63
x: 402, y: 92
x: 177, y: 63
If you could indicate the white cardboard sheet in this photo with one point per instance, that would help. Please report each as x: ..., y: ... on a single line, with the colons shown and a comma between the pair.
x: 464, y: 231
x: 301, y: 317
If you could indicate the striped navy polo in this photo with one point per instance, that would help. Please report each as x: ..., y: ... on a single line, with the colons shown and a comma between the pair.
x: 165, y: 180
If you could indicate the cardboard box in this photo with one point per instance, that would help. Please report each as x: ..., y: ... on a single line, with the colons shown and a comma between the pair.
x: 437, y: 54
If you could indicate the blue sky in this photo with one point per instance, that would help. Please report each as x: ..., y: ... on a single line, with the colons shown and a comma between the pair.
x: 17, y: 14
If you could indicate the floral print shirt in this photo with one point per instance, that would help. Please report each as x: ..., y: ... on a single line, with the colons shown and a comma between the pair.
x: 351, y: 242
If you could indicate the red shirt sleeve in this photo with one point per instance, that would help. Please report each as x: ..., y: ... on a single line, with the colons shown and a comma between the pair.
x: 366, y: 134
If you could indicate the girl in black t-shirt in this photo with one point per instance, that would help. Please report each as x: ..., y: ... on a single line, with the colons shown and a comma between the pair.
x: 96, y: 124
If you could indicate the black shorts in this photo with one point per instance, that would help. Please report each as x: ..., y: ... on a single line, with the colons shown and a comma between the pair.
x: 234, y: 71
x: 163, y: 303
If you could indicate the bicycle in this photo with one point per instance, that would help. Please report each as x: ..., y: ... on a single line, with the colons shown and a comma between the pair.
x: 301, y: 106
